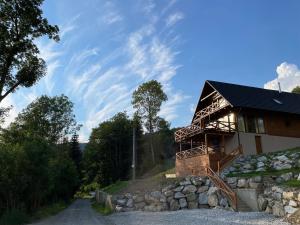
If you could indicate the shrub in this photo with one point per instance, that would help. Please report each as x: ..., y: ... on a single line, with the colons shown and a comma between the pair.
x: 14, y: 217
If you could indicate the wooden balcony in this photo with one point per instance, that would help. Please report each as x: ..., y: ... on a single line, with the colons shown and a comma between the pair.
x: 220, y: 127
x: 218, y: 104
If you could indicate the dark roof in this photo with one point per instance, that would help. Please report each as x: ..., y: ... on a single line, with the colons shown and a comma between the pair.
x: 257, y: 98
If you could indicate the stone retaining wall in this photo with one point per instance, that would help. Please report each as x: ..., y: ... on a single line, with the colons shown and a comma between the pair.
x: 190, y: 193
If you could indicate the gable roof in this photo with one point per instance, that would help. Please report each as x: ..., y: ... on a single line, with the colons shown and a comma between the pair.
x: 256, y: 98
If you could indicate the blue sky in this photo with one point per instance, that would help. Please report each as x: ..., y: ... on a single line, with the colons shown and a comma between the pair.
x: 108, y: 48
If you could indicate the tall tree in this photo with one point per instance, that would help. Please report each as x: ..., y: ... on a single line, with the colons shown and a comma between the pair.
x: 51, y: 118
x: 296, y: 90
x: 147, y: 99
x: 75, y: 152
x: 21, y: 23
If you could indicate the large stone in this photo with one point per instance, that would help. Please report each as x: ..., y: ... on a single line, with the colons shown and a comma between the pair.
x: 163, y: 198
x: 129, y: 203
x: 232, y: 180
x: 289, y: 209
x: 179, y: 195
x: 140, y: 205
x: 293, y: 203
x: 203, y: 198
x: 189, y: 189
x: 192, y: 205
x: 178, y: 189
x: 182, y: 203
x: 255, y: 185
x: 150, y: 199
x: 168, y: 193
x: 256, y: 179
x: 288, y: 195
x: 224, y: 202
x: 278, y: 209
x: 213, y: 200
x: 242, y: 183
x: 174, y: 205
x: 154, y: 208
x: 191, y: 197
x: 282, y: 158
x: 169, y: 187
x: 121, y: 202
x: 185, y: 182
x: 156, y: 194
x: 287, y: 176
x: 260, y: 164
x: 262, y: 159
x: 197, y: 181
x: 262, y: 203
x: 212, y: 190
x: 202, y: 189
x: 137, y: 198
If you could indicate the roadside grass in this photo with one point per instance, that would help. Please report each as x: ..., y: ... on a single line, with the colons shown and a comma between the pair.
x: 49, y: 210
x: 115, y: 187
x: 264, y: 173
x: 14, y: 217
x: 292, y: 183
x: 101, y: 208
x: 18, y: 217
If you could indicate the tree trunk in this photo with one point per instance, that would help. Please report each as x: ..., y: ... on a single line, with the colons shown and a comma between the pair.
x: 152, y: 149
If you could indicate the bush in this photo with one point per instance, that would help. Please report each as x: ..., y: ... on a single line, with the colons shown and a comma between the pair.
x: 14, y: 217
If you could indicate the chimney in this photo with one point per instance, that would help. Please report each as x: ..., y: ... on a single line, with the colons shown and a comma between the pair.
x: 279, y: 88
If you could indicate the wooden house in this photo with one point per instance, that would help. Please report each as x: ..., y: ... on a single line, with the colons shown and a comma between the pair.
x: 233, y: 119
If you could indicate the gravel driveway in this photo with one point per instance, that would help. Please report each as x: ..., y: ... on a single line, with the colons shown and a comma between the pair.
x: 195, y: 217
x: 79, y: 213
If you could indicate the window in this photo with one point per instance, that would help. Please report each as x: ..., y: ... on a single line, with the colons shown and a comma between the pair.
x: 260, y: 125
x: 241, y: 123
x: 251, y: 124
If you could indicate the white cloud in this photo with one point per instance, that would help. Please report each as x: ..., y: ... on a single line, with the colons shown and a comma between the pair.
x: 288, y: 75
x: 174, y: 18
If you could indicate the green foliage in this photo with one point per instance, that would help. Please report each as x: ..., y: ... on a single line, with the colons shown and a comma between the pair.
x: 270, y: 172
x: 85, y: 189
x: 296, y: 90
x: 107, y: 157
x: 50, y: 118
x: 102, y: 209
x: 292, y: 183
x: 147, y: 99
x: 35, y: 170
x: 115, y: 187
x: 21, y: 23
x: 75, y: 152
x: 14, y: 217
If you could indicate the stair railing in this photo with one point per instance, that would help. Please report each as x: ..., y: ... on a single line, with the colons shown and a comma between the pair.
x: 219, y: 183
x: 229, y: 158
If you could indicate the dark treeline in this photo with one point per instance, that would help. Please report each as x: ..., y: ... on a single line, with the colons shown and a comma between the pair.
x: 38, y: 165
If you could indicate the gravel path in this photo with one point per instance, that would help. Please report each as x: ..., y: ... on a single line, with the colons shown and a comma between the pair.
x: 79, y: 213
x: 195, y: 217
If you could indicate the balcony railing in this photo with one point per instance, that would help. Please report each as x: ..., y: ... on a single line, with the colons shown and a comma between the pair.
x: 199, y: 150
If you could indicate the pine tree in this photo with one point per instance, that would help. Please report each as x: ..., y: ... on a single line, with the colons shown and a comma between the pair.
x: 75, y: 152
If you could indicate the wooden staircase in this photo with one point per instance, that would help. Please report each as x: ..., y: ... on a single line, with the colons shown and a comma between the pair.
x: 219, y: 183
x: 229, y: 158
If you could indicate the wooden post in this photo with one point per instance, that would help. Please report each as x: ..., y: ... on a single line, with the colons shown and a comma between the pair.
x: 223, y: 143
x: 206, y: 147
x: 180, y: 146
x: 191, y: 143
x: 133, y: 153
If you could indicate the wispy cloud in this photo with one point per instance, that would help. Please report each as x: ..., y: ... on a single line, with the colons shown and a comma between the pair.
x: 288, y: 75
x: 174, y: 18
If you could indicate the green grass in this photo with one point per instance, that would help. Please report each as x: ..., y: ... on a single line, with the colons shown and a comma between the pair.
x: 264, y: 173
x: 102, y: 209
x: 14, y: 217
x: 292, y: 183
x: 49, y: 210
x: 115, y: 187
